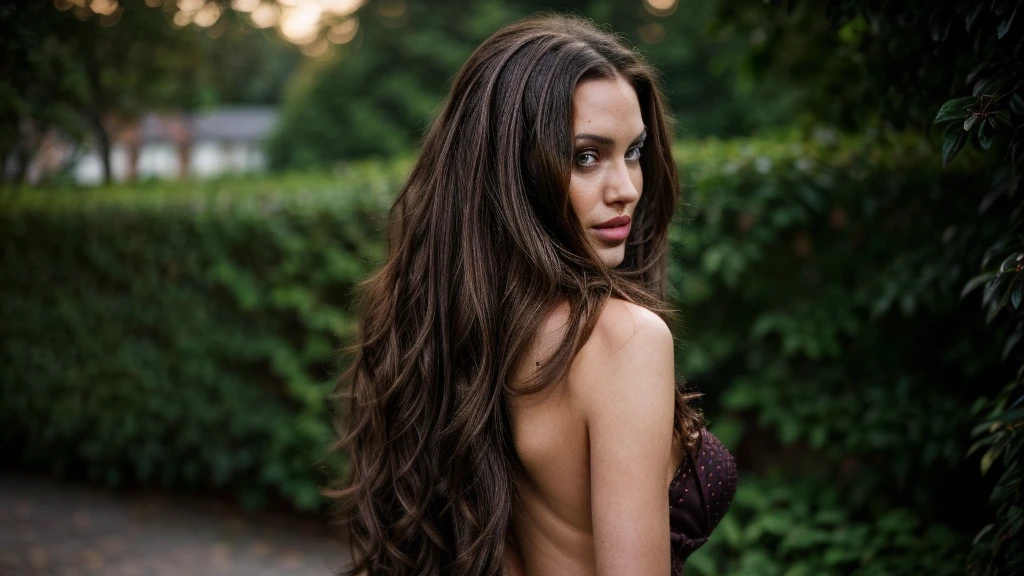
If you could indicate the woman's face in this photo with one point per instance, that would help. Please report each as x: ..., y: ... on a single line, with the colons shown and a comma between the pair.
x: 606, y: 182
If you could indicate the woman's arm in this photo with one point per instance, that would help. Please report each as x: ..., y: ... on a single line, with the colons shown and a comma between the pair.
x: 624, y: 381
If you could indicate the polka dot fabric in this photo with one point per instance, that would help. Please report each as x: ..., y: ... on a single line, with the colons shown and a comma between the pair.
x: 699, y: 496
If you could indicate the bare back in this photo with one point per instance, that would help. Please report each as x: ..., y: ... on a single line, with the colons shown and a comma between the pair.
x: 553, y: 516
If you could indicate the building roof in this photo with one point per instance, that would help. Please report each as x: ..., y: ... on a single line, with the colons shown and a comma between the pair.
x: 234, y: 124
x: 238, y: 124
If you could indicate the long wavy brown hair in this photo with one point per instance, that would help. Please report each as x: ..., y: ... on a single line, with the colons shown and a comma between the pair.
x: 482, y: 245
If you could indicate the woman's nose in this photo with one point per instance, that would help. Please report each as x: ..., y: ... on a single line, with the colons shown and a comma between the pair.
x: 619, y: 186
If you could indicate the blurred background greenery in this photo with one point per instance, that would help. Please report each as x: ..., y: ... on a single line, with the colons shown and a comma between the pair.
x: 848, y: 259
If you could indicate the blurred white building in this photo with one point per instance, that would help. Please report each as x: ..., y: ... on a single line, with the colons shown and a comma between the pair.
x: 202, y: 145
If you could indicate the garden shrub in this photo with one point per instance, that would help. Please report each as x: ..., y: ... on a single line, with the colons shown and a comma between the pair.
x: 184, y: 334
x: 819, y: 285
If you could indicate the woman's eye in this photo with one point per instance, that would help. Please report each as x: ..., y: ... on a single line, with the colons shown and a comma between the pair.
x: 586, y: 158
x: 589, y: 157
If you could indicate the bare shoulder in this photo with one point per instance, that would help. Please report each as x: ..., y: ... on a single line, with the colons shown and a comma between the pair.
x: 626, y: 325
x: 631, y: 348
x: 623, y: 380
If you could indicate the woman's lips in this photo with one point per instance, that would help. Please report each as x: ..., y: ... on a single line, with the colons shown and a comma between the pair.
x: 614, y: 230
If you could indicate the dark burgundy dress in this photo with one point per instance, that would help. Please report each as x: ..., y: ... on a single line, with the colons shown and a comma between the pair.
x: 698, y: 497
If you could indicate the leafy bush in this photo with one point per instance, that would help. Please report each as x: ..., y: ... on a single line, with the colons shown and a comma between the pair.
x: 992, y: 118
x: 806, y: 526
x: 819, y: 287
x: 187, y: 335
x: 183, y: 334
x: 953, y: 66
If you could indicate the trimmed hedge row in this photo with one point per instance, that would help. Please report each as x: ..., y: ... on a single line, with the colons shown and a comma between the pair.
x: 186, y: 334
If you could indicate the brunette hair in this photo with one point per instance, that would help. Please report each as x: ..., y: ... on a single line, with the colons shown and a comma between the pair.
x: 483, y: 244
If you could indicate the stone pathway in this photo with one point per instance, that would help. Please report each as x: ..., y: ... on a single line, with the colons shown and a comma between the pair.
x: 49, y: 528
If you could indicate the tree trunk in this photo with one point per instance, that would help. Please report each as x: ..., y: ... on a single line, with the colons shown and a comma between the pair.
x: 103, y: 145
x: 96, y: 116
x: 20, y: 158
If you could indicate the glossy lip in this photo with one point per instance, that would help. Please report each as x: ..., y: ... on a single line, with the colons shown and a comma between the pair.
x: 614, y: 230
x: 616, y: 222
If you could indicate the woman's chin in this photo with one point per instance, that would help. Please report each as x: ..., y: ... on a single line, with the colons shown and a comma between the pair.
x: 612, y: 257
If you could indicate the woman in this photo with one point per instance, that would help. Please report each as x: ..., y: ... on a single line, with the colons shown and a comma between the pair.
x: 513, y: 406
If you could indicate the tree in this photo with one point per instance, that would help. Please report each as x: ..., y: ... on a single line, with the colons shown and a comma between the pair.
x: 84, y: 69
x: 374, y: 95
x: 79, y: 67
x: 37, y: 80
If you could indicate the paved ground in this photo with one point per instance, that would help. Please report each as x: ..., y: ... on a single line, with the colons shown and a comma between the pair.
x: 50, y: 528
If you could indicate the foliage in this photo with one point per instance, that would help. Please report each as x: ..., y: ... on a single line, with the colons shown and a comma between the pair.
x: 34, y: 69
x: 359, y: 103
x: 375, y: 95
x: 993, y: 119
x: 70, y: 70
x: 818, y: 285
x: 955, y: 64
x: 855, y: 64
x: 806, y: 526
x: 183, y: 335
x: 191, y: 338
x: 243, y: 65
x: 80, y: 73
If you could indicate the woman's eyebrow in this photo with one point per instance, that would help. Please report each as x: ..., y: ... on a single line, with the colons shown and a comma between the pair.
x: 608, y: 141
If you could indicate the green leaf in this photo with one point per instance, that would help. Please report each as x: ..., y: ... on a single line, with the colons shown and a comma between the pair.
x: 939, y: 25
x: 994, y: 453
x: 973, y: 75
x: 989, y: 199
x: 801, y: 569
x: 1017, y: 104
x: 973, y: 15
x: 830, y: 516
x: 836, y: 555
x: 993, y: 288
x: 1016, y: 297
x: 982, y: 532
x: 995, y: 306
x: 986, y: 441
x: 1000, y: 7
x: 955, y: 109
x: 953, y: 140
x: 777, y: 524
x: 701, y: 562
x: 975, y: 282
x: 897, y: 521
x: 731, y: 532
x: 1010, y: 263
x: 1000, y: 249
x: 1011, y: 343
x: 985, y: 133
x: 1005, y: 25
x: 1002, y: 117
x: 970, y: 121
x: 988, y: 86
x: 802, y: 538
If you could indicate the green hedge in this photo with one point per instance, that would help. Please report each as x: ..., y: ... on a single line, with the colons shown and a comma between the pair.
x: 186, y: 334
x: 820, y: 287
x: 183, y: 334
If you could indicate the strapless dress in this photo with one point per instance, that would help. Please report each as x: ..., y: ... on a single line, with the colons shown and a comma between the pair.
x: 699, y: 496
